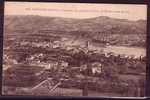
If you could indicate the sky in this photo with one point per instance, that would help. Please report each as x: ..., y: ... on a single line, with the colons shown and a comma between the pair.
x: 77, y: 10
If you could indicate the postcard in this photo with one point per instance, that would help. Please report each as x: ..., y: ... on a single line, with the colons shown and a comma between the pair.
x: 74, y: 49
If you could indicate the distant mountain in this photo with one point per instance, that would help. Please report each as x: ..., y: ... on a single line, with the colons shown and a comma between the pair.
x: 98, y: 24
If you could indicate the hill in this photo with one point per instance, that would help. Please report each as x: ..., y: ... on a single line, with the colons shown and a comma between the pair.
x: 120, y: 31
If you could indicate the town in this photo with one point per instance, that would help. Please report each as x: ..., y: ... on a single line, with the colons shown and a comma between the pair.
x: 37, y: 58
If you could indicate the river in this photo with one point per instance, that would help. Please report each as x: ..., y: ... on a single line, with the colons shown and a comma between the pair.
x: 123, y: 50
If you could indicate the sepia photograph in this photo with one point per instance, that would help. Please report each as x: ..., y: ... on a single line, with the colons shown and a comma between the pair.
x: 74, y: 49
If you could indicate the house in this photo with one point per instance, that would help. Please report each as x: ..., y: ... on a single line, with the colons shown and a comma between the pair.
x: 96, y: 68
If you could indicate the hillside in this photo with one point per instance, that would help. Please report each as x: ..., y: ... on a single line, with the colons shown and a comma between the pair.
x: 117, y: 31
x: 98, y: 24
